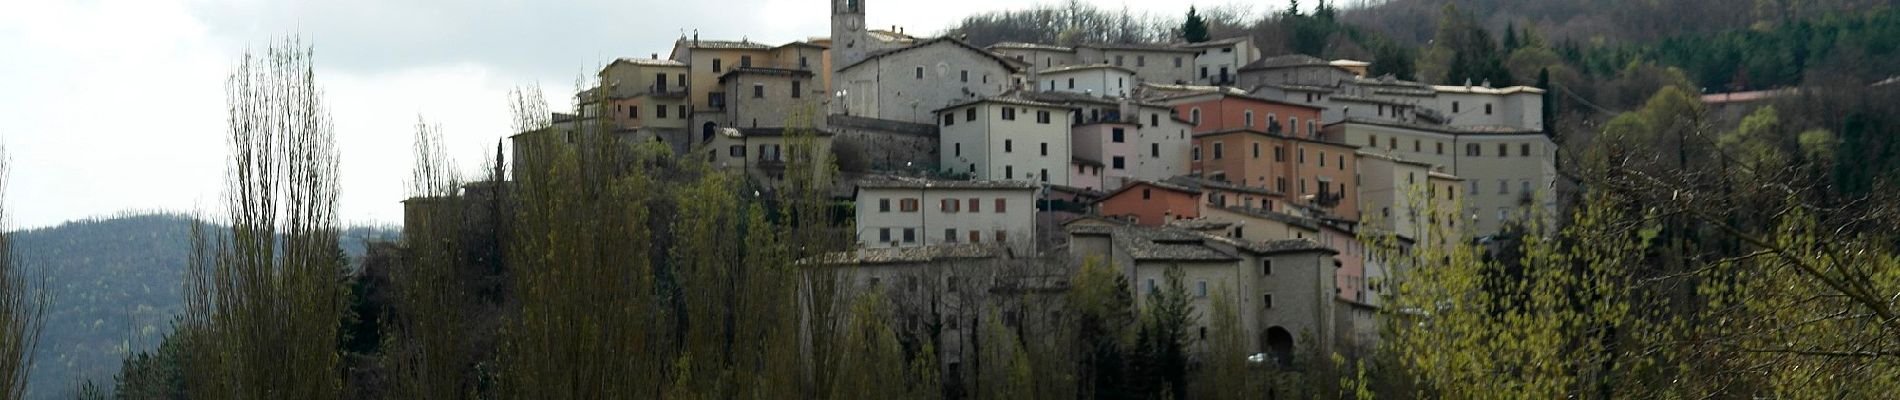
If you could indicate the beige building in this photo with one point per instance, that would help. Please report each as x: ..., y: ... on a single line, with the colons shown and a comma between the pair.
x: 1218, y: 62
x: 1519, y: 107
x: 1093, y: 80
x: 766, y: 155
x: 1282, y: 289
x: 1152, y: 63
x: 769, y: 98
x: 644, y: 98
x: 1505, y: 170
x: 912, y: 212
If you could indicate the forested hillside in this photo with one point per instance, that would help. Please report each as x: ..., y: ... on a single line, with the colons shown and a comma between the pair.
x: 114, y: 285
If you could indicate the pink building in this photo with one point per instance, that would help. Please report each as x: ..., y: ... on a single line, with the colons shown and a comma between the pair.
x: 1112, y: 145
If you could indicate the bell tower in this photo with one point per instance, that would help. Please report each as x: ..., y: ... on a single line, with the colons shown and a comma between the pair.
x: 848, y: 39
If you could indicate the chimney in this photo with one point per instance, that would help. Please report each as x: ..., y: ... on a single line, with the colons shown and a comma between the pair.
x: 695, y: 37
x: 656, y: 56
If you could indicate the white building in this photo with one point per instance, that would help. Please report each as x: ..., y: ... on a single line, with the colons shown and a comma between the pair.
x: 1519, y: 107
x: 1218, y: 61
x: 911, y: 212
x: 1505, y: 170
x: 1004, y: 138
x: 1097, y: 80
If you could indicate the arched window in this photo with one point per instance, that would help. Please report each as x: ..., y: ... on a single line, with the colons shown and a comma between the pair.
x: 706, y: 133
x: 1194, y: 115
x: 1295, y: 123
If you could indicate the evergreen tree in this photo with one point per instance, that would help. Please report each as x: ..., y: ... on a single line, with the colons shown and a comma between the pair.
x: 1194, y: 29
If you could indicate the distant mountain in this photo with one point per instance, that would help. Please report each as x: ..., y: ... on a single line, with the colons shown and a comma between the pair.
x: 116, y: 285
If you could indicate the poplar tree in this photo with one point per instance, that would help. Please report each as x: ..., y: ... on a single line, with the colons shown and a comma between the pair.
x: 22, y: 309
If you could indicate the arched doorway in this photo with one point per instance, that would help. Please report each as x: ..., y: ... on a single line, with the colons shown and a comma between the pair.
x: 706, y: 132
x: 1278, y: 343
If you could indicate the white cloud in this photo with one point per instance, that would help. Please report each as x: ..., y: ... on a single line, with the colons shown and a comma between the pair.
x: 118, y: 104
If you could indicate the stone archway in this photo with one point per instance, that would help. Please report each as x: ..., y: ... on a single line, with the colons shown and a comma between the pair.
x: 706, y: 132
x: 1278, y: 343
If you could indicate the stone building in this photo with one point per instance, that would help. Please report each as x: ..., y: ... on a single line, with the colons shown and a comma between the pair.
x: 1507, y: 171
x: 907, y: 84
x: 912, y: 212
x: 1006, y: 138
x: 1096, y: 80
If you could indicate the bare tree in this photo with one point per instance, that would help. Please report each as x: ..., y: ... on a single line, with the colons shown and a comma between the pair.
x: 267, y: 291
x: 22, y: 310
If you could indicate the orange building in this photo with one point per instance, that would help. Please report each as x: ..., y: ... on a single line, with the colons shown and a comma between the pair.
x: 1319, y: 175
x: 1221, y: 111
x: 1152, y: 203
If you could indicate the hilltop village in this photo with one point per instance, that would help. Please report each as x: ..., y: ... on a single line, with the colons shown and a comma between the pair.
x: 995, y: 172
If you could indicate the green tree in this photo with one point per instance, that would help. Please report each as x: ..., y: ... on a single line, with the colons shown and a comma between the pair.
x: 1194, y: 29
x: 267, y: 291
x: 1163, y: 337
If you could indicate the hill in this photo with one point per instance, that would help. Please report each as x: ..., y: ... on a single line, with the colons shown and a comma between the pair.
x: 115, y: 285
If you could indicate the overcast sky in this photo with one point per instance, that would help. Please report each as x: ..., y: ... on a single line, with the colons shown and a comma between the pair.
x: 116, y: 105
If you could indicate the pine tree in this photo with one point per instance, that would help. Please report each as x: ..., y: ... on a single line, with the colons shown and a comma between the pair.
x: 1195, y: 28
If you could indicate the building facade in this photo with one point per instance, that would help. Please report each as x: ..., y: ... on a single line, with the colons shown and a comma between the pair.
x: 1006, y: 139
x: 911, y: 212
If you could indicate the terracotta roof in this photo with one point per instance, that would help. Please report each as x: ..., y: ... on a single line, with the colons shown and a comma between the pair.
x: 1031, y: 46
x: 1286, y: 61
x: 1010, y: 63
x: 723, y: 44
x: 1450, y: 130
x: 651, y: 62
x: 1072, y: 68
x: 899, y: 182
x: 1197, y: 183
x: 1487, y: 90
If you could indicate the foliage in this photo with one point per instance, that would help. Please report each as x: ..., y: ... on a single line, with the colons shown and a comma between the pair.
x: 22, y: 311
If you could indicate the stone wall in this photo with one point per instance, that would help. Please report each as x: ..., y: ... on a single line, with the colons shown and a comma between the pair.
x: 886, y: 145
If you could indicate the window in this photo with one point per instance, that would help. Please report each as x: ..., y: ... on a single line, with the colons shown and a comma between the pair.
x: 1471, y: 149
x: 950, y: 235
x: 1009, y: 145
x: 1203, y: 72
x: 1177, y: 62
x: 1474, y: 187
x: 1196, y: 153
x: 716, y: 65
x: 1417, y: 146
x: 803, y: 63
x: 758, y: 91
x: 883, y: 205
x: 797, y: 86
x: 883, y: 235
x: 1042, y: 117
x: 973, y: 205
x: 682, y: 81
x: 908, y: 205
x: 1118, y: 164
x: 1256, y: 149
x: 1279, y: 184
x: 1071, y: 83
x: 1151, y: 286
x: 1145, y: 194
x: 1342, y: 162
x: 1372, y: 141
x: 1141, y: 61
x: 1266, y: 301
x: 1118, y: 60
x: 910, y: 235
x: 1045, y: 174
x: 1194, y: 116
x: 1201, y: 290
x: 1279, y: 155
x: 964, y: 76
x: 1302, y: 155
x: 1487, y: 108
x: 1154, y: 119
x: 969, y: 114
x: 1009, y: 172
x: 1441, y: 148
x: 1294, y: 123
x: 739, y: 151
x: 1009, y: 113
x: 949, y: 119
x: 1115, y: 135
x: 659, y: 111
x: 1001, y: 205
x: 976, y: 236
x: 1154, y: 149
x: 745, y: 61
x: 1249, y: 119
x: 1002, y: 236
x: 1045, y: 149
x: 1454, y: 107
x: 1524, y: 186
x: 1504, y: 186
x: 1524, y: 149
x: 920, y: 72
x: 958, y: 147
x: 1392, y: 144
x: 1217, y: 151
x: 633, y: 111
x: 1266, y: 267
